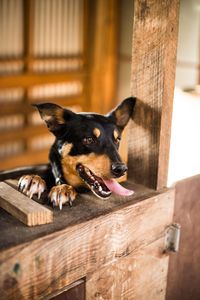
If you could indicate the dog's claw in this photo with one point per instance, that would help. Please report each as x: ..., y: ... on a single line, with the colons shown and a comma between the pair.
x: 70, y: 202
x: 62, y: 194
x: 31, y: 185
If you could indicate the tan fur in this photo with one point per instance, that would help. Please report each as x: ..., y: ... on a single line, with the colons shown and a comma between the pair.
x: 49, y: 115
x: 59, y: 116
x: 97, y: 132
x: 98, y: 164
x: 66, y: 149
x: 115, y: 134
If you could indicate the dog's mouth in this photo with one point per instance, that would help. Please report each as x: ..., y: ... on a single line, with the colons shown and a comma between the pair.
x: 102, y: 188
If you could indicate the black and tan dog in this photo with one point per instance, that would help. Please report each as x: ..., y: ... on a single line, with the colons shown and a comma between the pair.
x: 84, y: 154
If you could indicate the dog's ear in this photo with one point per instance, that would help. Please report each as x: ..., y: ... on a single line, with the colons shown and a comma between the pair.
x: 55, y: 116
x: 123, y: 112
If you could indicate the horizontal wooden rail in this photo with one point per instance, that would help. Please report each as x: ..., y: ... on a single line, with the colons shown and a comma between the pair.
x: 25, y: 158
x: 27, y: 80
x: 22, y: 133
x: 25, y: 107
x: 35, y: 58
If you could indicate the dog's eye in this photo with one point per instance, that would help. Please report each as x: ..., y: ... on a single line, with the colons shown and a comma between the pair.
x: 88, y: 141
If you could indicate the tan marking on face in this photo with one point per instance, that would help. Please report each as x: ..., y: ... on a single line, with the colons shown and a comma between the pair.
x: 98, y: 164
x: 97, y: 132
x: 115, y: 134
x: 66, y: 148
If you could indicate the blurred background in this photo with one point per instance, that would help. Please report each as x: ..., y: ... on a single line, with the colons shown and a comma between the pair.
x: 77, y: 53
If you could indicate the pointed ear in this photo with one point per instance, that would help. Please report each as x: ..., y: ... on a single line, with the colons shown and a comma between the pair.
x: 54, y: 116
x: 123, y: 112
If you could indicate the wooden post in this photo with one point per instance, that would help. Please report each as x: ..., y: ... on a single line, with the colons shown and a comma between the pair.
x: 153, y: 72
x: 104, y: 55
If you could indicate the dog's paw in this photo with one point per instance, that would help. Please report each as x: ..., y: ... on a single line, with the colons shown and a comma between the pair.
x: 61, y: 194
x: 31, y: 185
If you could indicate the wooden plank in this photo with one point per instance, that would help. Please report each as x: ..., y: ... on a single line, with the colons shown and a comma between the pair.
x: 22, y: 133
x: 141, y: 275
x: 153, y: 73
x: 104, y: 55
x: 47, y: 264
x: 23, y: 208
x: 24, y: 159
x: 85, y: 207
x: 184, y: 276
x: 74, y: 291
x: 30, y: 79
x: 19, y: 108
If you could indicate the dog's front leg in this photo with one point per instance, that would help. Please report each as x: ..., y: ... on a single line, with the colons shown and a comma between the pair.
x: 61, y: 193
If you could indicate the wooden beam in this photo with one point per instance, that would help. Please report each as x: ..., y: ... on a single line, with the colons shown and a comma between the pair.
x: 23, y: 208
x: 30, y: 79
x: 25, y: 159
x: 21, y: 107
x: 153, y: 74
x: 104, y: 55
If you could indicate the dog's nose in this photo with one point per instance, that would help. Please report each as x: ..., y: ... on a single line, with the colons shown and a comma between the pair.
x: 118, y: 169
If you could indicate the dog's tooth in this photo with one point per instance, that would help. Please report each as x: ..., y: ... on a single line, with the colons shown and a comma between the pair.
x: 88, y: 173
x: 96, y: 184
x: 100, y: 189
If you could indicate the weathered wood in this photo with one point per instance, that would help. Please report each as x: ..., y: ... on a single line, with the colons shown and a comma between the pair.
x: 23, y: 208
x: 141, y: 275
x: 153, y: 73
x: 184, y: 275
x: 74, y: 291
x: 38, y: 268
x: 85, y: 207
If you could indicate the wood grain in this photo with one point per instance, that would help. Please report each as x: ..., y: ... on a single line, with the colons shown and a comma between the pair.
x: 36, y: 269
x: 152, y: 82
x: 86, y: 207
x: 184, y: 275
x: 139, y: 276
x: 23, y: 208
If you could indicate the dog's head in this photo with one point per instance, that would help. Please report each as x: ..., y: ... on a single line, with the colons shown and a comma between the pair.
x: 88, y: 145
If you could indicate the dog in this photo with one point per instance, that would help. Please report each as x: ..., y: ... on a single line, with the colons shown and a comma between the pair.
x: 84, y: 155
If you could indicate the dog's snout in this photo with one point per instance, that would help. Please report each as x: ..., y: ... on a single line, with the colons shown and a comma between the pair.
x: 118, y: 169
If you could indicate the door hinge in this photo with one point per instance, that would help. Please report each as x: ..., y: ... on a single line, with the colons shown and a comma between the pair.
x: 172, y: 238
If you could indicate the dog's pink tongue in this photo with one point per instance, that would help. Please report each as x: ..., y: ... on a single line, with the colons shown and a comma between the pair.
x: 116, y: 188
